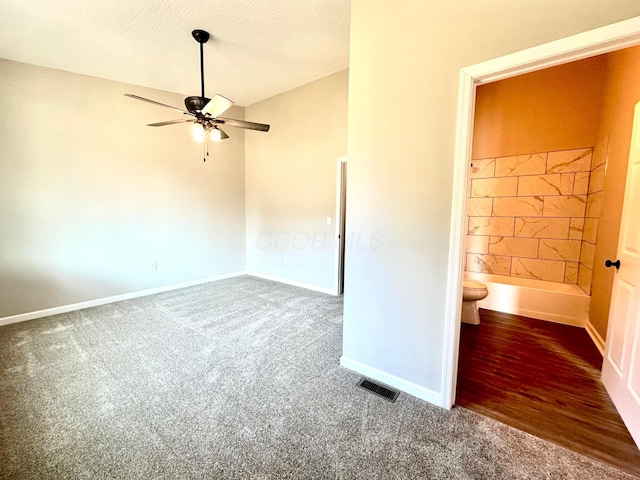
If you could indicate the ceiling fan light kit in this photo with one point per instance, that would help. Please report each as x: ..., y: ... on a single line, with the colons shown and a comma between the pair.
x: 197, y: 133
x: 204, y: 113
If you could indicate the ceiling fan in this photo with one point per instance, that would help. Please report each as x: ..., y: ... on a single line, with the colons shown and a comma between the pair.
x: 204, y: 112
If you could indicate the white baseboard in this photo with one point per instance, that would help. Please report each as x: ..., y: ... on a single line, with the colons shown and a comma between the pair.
x: 595, y: 336
x: 308, y: 286
x: 117, y: 298
x: 393, y: 381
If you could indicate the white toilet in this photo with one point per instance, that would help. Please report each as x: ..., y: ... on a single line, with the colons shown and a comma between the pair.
x: 472, y: 291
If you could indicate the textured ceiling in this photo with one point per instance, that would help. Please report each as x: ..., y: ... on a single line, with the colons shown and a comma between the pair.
x: 258, y: 48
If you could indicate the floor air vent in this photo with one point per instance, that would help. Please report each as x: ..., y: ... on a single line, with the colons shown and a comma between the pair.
x: 379, y: 390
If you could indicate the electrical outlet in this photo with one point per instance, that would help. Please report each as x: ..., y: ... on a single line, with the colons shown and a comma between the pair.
x: 286, y: 259
x: 153, y: 265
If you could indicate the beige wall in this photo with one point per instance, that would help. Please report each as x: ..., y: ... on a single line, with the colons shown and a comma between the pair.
x: 291, y: 181
x: 621, y: 93
x: 90, y: 196
x: 404, y: 75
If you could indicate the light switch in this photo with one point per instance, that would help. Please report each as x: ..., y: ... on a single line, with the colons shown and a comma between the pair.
x: 328, y: 220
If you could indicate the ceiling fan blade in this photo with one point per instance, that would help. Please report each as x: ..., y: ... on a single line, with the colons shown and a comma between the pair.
x: 156, y: 103
x: 223, y: 134
x: 169, y: 122
x: 232, y: 122
x: 216, y: 106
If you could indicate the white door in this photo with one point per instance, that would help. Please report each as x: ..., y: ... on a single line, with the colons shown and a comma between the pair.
x: 621, y: 366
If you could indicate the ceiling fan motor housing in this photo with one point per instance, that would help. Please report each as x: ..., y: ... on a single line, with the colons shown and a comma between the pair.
x: 195, y: 104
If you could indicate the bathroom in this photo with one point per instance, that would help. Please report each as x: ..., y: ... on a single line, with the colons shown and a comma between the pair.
x: 546, y: 186
x: 545, y: 195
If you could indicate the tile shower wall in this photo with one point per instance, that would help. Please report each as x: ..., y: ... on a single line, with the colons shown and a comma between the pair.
x: 531, y: 215
x: 592, y: 214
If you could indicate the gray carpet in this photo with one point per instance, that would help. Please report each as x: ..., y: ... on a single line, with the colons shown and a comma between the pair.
x: 232, y: 379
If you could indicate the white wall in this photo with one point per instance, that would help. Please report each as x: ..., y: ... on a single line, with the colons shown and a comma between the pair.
x: 404, y: 71
x: 90, y: 196
x: 291, y: 182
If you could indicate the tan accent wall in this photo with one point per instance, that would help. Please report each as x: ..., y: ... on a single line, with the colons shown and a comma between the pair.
x: 552, y: 109
x: 621, y: 93
x: 90, y: 196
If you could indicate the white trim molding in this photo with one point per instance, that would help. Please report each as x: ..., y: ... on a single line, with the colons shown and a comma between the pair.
x: 570, y: 49
x: 595, y: 337
x: 308, y: 286
x: 466, y: 106
x: 116, y: 298
x: 393, y: 381
x: 337, y: 223
x: 576, y: 47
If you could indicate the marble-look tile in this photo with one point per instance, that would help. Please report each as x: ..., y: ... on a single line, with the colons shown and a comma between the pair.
x: 600, y: 152
x: 571, y: 272
x: 521, y: 165
x: 541, y: 227
x: 496, y: 226
x: 549, y: 270
x: 594, y: 205
x: 590, y: 233
x: 567, y: 250
x: 479, y: 206
x: 554, y: 184
x: 576, y: 226
x: 565, y: 206
x: 492, y: 264
x: 569, y: 161
x: 596, y: 181
x: 514, y: 246
x: 581, y: 183
x: 517, y: 207
x: 584, y: 279
x: 587, y: 254
x: 494, y: 187
x: 482, y: 168
x: 477, y: 244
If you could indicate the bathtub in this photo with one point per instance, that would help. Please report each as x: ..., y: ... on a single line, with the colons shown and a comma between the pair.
x: 556, y: 302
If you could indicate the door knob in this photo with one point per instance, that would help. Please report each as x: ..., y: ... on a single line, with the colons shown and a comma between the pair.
x: 609, y: 263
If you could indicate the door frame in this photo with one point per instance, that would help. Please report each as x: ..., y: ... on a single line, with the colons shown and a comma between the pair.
x: 576, y: 47
x: 340, y: 246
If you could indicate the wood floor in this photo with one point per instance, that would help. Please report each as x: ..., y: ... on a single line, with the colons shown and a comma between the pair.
x: 543, y: 378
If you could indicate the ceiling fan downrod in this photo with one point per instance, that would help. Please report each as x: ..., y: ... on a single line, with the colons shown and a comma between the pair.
x: 201, y: 37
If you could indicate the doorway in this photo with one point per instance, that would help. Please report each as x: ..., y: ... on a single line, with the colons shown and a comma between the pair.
x: 607, y: 39
x: 603, y: 40
x: 341, y: 221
